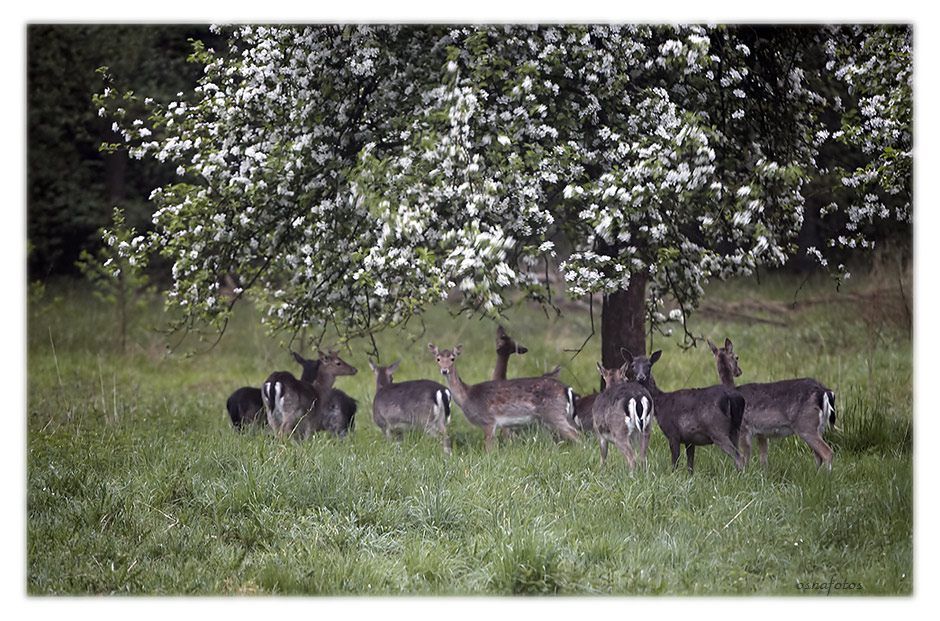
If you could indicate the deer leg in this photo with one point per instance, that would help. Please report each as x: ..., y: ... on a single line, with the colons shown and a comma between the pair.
x: 603, y: 442
x: 823, y: 452
x: 489, y: 435
x: 627, y: 450
x: 644, y: 447
x: 763, y: 444
x: 746, y: 446
x: 725, y: 444
x: 690, y: 455
x: 568, y: 431
x: 674, y: 450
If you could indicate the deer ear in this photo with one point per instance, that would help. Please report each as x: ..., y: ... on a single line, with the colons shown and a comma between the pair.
x: 432, y: 349
x: 394, y: 367
x: 371, y: 364
x: 298, y: 357
x: 656, y: 356
x: 728, y: 345
x: 625, y: 353
x: 500, y: 331
x: 600, y: 369
x: 458, y: 349
x: 712, y: 347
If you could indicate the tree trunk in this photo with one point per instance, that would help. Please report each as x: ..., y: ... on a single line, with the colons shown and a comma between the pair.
x: 623, y: 322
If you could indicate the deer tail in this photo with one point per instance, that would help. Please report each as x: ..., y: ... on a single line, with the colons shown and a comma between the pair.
x: 442, y: 404
x: 569, y: 411
x: 827, y: 407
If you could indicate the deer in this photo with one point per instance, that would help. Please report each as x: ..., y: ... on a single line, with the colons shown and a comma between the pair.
x: 339, y: 414
x: 506, y: 403
x: 623, y: 414
x: 803, y: 407
x: 245, y: 406
x: 295, y: 406
x: 691, y: 416
x: 416, y: 404
x: 505, y: 347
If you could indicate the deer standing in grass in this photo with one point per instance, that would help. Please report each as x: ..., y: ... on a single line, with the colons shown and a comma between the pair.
x: 692, y: 416
x: 416, y: 404
x: 297, y: 407
x: 802, y: 407
x: 623, y: 414
x: 507, y: 403
x: 245, y: 406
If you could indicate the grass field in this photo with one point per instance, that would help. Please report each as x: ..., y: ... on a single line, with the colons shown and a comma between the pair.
x: 137, y: 484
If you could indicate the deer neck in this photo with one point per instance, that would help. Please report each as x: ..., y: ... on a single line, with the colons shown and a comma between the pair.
x: 457, y: 386
x: 324, y: 382
x: 726, y: 376
x: 651, y: 387
x: 499, y: 371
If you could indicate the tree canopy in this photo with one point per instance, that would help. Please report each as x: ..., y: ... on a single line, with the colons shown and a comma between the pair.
x: 351, y: 175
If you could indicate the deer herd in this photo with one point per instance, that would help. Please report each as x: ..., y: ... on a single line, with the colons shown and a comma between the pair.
x: 725, y: 415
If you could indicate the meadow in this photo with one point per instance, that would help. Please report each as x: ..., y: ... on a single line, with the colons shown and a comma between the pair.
x: 137, y: 484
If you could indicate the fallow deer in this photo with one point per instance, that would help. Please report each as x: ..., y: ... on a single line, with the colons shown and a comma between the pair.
x: 416, y: 404
x: 802, y: 407
x: 505, y: 347
x: 245, y: 406
x: 507, y: 403
x: 692, y: 416
x: 297, y: 407
x: 339, y: 411
x: 623, y: 414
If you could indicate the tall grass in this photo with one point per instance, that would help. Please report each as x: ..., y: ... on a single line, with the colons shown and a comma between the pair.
x: 137, y: 484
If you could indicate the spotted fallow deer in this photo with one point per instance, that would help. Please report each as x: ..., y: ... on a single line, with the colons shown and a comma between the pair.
x: 623, y: 414
x: 506, y: 403
x: 295, y: 407
x: 416, y: 404
x: 692, y: 416
x: 803, y: 407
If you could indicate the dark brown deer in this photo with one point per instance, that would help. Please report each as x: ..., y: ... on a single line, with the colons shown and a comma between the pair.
x: 245, y: 406
x: 416, y: 404
x: 508, y: 403
x: 692, y: 416
x: 505, y: 347
x: 295, y: 407
x: 623, y: 414
x: 802, y: 407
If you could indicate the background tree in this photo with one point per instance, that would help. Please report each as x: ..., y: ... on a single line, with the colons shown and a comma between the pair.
x: 352, y: 175
x: 72, y: 187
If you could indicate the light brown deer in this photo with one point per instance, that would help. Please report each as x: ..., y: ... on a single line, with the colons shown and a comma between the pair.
x: 416, y: 404
x: 802, y: 407
x: 623, y: 414
x: 295, y: 407
x: 505, y: 403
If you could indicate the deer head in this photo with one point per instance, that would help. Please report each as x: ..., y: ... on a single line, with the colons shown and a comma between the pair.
x: 506, y: 346
x: 383, y: 375
x: 639, y: 369
x: 332, y: 364
x: 726, y: 361
x: 445, y: 357
x: 612, y: 376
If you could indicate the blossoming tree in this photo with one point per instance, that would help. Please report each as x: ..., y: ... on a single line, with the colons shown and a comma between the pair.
x: 353, y: 175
